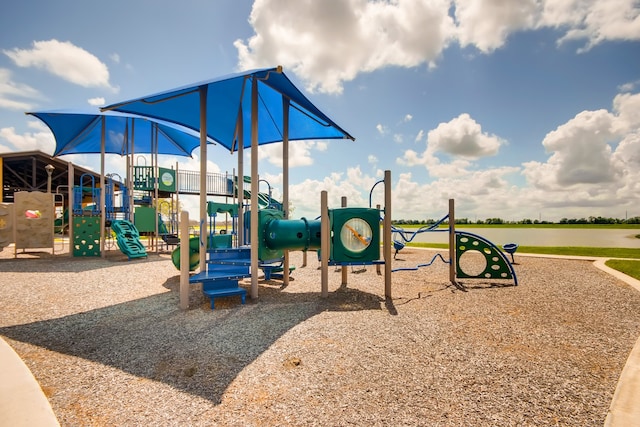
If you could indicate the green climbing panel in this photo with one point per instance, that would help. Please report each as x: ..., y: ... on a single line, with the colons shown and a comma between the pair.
x: 496, y: 267
x: 86, y: 236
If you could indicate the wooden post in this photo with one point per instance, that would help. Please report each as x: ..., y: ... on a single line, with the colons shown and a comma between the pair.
x: 184, y: 260
x: 378, y: 268
x: 325, y: 241
x: 387, y: 234
x: 344, y: 267
x: 452, y: 242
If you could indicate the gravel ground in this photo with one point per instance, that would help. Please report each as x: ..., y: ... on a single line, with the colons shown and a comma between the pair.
x: 110, y: 347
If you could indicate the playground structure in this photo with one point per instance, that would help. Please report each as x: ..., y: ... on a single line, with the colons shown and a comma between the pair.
x: 344, y: 236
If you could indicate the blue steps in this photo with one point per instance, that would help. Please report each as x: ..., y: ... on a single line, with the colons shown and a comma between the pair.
x: 225, y: 268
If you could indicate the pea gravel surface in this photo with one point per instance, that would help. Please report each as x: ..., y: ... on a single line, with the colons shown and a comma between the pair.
x: 107, y: 342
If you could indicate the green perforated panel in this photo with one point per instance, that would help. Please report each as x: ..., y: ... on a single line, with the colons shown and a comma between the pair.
x: 495, y: 266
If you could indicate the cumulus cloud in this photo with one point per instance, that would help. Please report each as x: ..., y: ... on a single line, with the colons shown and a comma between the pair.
x: 40, y: 139
x: 96, y: 102
x: 15, y: 96
x: 486, y: 24
x: 462, y: 139
x: 594, y: 158
x: 300, y: 152
x: 65, y: 60
x: 592, y: 20
x: 330, y: 42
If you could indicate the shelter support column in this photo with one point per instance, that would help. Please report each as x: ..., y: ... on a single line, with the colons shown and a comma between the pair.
x: 203, y: 178
x: 254, y: 188
x: 285, y: 180
x: 103, y: 198
x: 70, y: 179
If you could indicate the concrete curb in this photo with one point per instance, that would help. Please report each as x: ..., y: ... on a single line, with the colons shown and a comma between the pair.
x: 22, y: 402
x: 625, y: 409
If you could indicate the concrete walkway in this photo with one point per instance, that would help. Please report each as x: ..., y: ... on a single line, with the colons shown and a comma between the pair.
x: 22, y: 402
x: 625, y: 405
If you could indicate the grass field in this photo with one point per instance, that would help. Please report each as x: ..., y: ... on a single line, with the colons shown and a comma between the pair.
x: 629, y: 266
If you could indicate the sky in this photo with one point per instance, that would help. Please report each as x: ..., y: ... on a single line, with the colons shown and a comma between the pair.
x: 524, y: 109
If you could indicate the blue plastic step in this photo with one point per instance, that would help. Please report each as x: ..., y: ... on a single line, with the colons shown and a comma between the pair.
x: 225, y: 292
x: 216, y: 275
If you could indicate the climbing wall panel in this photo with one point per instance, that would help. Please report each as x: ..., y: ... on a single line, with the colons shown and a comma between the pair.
x: 86, y: 236
x: 34, y: 216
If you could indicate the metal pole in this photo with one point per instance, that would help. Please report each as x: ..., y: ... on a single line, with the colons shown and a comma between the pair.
x: 240, y: 182
x: 285, y: 179
x: 203, y: 179
x: 254, y: 188
x: 103, y: 197
x: 70, y: 179
x: 49, y: 169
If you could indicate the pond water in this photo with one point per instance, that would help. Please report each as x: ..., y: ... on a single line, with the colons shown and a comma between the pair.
x: 597, y: 238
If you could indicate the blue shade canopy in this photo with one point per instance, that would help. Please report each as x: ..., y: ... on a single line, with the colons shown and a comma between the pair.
x: 81, y: 132
x: 229, y: 96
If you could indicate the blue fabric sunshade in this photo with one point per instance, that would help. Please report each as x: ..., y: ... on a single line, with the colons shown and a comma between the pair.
x: 227, y: 98
x: 78, y: 132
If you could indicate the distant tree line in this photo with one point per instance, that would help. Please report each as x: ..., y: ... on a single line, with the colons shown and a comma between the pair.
x: 590, y: 220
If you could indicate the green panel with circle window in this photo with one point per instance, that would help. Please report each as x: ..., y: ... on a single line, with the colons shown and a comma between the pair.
x: 355, y: 234
x: 167, y: 181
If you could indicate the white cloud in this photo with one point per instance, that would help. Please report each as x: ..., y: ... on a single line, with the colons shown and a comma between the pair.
x: 330, y: 42
x: 115, y: 58
x: 300, y: 152
x: 593, y: 20
x: 594, y: 161
x: 463, y: 137
x: 407, y: 118
x: 42, y: 139
x: 486, y: 24
x: 96, y: 102
x: 580, y: 153
x: 381, y: 129
x: 9, y: 90
x: 65, y: 60
x: 372, y: 159
x: 419, y: 136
